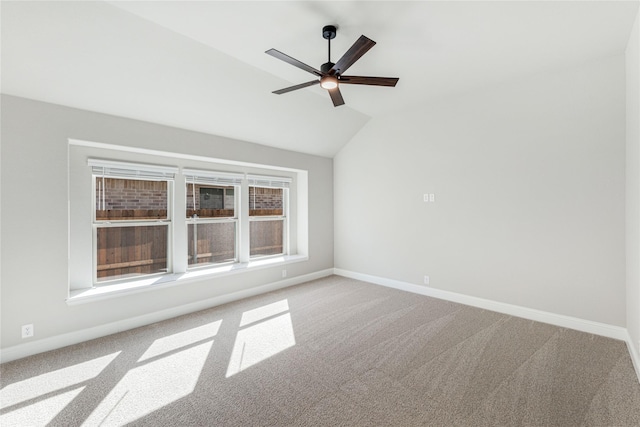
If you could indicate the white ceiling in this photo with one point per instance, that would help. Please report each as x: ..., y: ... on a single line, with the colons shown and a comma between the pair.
x: 201, y: 65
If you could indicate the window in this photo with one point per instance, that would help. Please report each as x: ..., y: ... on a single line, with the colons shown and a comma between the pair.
x: 212, y: 217
x: 268, y: 206
x: 141, y: 219
x: 131, y: 219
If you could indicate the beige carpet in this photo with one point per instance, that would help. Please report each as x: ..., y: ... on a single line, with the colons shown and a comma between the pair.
x: 331, y: 352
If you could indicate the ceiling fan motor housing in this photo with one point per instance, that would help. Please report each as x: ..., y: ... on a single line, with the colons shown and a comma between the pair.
x: 326, y: 67
x: 329, y: 32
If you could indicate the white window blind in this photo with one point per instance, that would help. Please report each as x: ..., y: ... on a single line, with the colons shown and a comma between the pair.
x: 109, y: 168
x: 212, y: 177
x: 269, y: 181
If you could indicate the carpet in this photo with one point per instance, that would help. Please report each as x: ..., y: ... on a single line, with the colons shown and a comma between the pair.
x: 331, y: 352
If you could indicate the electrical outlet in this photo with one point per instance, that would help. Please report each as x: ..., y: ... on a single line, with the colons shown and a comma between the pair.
x: 429, y: 197
x: 284, y: 273
x: 27, y: 331
x: 426, y: 280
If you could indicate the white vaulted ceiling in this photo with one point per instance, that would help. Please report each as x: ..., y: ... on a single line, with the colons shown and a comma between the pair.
x: 201, y: 65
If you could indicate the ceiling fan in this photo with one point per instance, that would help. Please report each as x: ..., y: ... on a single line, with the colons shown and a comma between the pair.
x: 331, y: 76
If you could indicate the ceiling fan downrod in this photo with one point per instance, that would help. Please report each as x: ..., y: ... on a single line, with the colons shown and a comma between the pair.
x: 328, y: 32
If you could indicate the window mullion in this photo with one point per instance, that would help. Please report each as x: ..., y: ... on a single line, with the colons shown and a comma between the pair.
x: 243, y: 219
x: 179, y: 247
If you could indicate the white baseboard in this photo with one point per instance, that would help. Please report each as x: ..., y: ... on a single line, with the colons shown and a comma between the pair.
x: 603, y: 329
x: 52, y: 343
x: 635, y: 355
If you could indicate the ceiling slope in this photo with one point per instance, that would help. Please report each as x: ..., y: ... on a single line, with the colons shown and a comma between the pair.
x: 94, y: 56
x: 201, y: 65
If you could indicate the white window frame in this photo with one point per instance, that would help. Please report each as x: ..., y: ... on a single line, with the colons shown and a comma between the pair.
x: 82, y: 287
x: 261, y: 181
x: 220, y: 179
x: 101, y: 168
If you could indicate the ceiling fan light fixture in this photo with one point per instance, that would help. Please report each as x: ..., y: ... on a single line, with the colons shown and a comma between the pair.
x: 328, y: 82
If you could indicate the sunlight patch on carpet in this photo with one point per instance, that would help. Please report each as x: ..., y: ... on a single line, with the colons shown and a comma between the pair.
x: 34, y: 387
x: 264, y: 312
x: 152, y: 386
x: 261, y: 340
x: 181, y: 339
x: 41, y: 412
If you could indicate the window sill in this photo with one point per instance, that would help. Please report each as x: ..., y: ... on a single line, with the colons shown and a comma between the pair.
x: 98, y: 293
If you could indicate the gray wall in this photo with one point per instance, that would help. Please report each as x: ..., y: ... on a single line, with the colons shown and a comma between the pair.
x: 529, y: 179
x: 35, y: 241
x: 529, y: 184
x: 633, y: 187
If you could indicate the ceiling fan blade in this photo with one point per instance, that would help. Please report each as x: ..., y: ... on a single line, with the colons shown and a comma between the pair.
x: 296, y: 87
x: 372, y: 81
x: 286, y: 58
x: 336, y: 97
x: 359, y: 48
